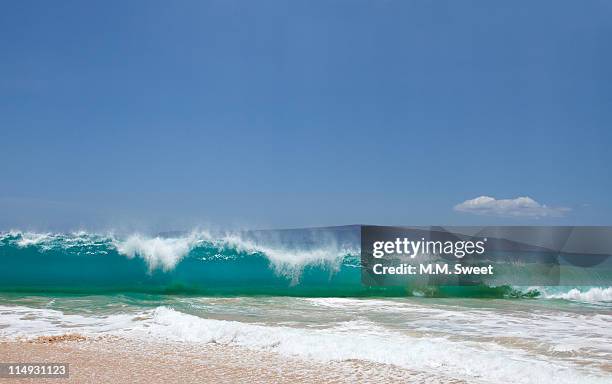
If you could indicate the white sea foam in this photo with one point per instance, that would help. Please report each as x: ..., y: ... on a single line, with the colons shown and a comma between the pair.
x: 166, y: 252
x: 594, y: 294
x: 435, y: 339
x: 47, y: 241
x: 157, y: 251
x: 26, y: 322
x: 30, y: 239
x: 289, y: 261
x: 363, y: 340
x: 531, y: 323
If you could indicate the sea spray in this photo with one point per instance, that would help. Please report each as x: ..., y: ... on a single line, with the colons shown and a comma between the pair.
x: 317, y: 263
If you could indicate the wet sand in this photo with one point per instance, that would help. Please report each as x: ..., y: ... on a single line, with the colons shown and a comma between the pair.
x: 121, y: 360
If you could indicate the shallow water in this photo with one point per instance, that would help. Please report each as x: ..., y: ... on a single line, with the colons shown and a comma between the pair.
x: 541, y: 340
x: 299, y: 298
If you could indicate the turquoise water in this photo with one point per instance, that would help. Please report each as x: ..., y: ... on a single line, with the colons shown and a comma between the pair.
x: 85, y: 263
x: 298, y: 294
x: 308, y: 264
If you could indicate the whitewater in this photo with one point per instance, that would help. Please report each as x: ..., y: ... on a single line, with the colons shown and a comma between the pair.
x: 297, y: 295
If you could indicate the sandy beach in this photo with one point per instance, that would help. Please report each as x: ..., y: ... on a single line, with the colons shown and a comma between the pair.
x: 326, y: 331
x: 121, y: 360
x: 147, y: 339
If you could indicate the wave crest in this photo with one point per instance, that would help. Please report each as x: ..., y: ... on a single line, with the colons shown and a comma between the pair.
x: 158, y: 252
x: 593, y: 294
x: 166, y: 252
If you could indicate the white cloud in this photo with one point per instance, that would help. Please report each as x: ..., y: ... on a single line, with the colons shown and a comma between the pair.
x: 519, y: 207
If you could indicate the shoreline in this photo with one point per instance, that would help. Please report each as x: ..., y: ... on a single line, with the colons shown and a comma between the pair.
x: 118, y: 359
x: 281, y: 340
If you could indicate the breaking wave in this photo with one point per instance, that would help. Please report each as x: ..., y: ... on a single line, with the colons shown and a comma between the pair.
x: 592, y: 294
x: 470, y: 358
x: 318, y: 262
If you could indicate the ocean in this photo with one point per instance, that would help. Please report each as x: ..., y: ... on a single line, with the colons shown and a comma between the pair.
x: 298, y: 294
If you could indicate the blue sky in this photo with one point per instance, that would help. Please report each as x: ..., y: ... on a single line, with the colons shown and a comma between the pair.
x: 163, y: 115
